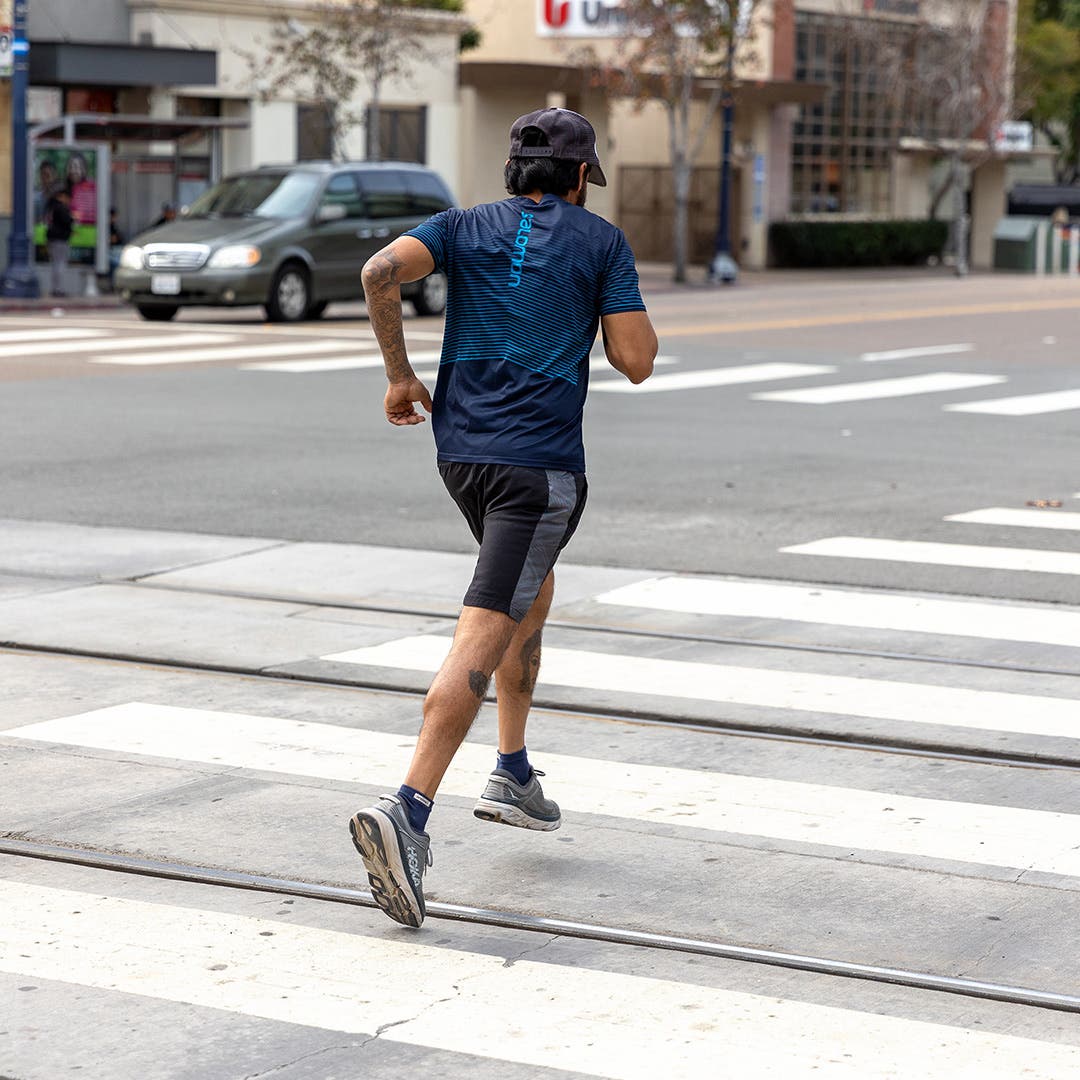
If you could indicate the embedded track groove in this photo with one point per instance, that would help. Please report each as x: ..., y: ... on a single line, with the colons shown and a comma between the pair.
x: 232, y: 879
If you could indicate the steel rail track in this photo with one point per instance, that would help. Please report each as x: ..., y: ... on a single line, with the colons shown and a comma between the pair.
x: 805, y: 736
x: 232, y: 879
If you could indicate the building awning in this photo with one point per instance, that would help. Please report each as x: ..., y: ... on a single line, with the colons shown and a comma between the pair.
x: 66, y: 63
x: 109, y: 127
x: 496, y: 75
x: 970, y: 149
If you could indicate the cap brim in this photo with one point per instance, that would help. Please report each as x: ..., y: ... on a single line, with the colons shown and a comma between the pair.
x: 596, y: 175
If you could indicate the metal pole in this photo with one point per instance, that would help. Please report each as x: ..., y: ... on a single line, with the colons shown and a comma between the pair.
x: 723, y: 267
x: 20, y: 278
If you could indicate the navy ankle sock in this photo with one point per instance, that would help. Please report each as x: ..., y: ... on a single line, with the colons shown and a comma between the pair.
x: 417, y: 807
x: 516, y: 764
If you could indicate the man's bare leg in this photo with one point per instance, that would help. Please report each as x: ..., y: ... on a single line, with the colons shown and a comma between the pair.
x: 456, y: 693
x: 515, y: 677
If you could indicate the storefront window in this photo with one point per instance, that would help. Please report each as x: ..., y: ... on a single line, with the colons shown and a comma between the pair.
x: 842, y: 148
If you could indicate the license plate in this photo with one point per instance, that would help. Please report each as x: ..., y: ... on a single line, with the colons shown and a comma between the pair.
x: 165, y: 284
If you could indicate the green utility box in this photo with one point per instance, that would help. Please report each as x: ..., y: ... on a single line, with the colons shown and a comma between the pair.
x: 1016, y: 243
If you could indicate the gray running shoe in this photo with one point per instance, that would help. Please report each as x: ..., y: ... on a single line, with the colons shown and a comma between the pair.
x: 395, y: 856
x: 510, y: 803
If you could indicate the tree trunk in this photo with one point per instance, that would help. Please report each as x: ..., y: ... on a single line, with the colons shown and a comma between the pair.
x: 374, y: 127
x: 679, y: 118
x: 960, y: 239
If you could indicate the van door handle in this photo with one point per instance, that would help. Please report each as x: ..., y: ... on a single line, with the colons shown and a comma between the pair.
x: 364, y: 234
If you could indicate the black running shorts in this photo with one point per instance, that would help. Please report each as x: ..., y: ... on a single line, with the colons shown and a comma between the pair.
x: 522, y: 518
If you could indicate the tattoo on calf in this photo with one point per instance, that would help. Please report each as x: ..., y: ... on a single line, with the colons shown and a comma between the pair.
x: 478, y: 683
x: 530, y: 663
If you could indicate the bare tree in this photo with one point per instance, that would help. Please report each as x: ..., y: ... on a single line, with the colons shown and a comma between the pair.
x: 346, y: 45
x: 668, y: 48
x: 949, y: 81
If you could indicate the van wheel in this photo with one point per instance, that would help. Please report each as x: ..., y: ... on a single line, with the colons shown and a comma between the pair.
x: 317, y: 309
x: 430, y: 298
x: 157, y: 312
x: 290, y: 294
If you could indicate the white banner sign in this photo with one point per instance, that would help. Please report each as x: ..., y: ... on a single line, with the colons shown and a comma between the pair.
x: 1016, y: 136
x: 580, y: 18
x: 7, y: 55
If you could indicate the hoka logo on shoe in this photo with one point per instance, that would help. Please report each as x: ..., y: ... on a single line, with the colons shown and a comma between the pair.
x: 414, y: 866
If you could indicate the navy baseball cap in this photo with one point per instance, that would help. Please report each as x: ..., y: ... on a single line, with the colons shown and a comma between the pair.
x: 570, y: 137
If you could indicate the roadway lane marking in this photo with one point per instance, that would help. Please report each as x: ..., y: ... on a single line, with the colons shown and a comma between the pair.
x: 788, y: 810
x: 1026, y: 405
x: 601, y: 363
x: 862, y: 318
x: 937, y: 382
x: 695, y: 380
x: 1023, y: 519
x: 910, y: 354
x: 234, y: 352
x: 835, y: 607
x: 66, y: 334
x: 918, y: 551
x: 876, y: 699
x: 580, y: 1020
x: 158, y: 341
x: 311, y: 367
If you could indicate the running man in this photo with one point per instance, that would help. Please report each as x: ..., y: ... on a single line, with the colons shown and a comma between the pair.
x: 530, y: 279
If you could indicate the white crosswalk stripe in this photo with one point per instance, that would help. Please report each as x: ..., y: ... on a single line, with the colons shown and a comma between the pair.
x: 98, y: 346
x: 841, y: 817
x: 309, y: 367
x: 1028, y: 560
x: 938, y: 382
x: 697, y: 380
x: 581, y: 1020
x: 878, y: 699
x: 55, y: 334
x: 911, y: 354
x: 232, y: 352
x: 1048, y: 625
x: 1020, y: 518
x: 1024, y: 405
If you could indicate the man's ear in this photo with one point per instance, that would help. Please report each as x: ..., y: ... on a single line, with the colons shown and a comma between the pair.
x: 583, y: 176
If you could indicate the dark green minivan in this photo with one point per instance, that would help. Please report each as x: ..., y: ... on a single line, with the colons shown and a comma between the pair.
x: 293, y: 238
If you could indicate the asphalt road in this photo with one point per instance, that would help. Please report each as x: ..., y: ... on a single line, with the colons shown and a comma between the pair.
x: 707, y: 478
x: 826, y: 781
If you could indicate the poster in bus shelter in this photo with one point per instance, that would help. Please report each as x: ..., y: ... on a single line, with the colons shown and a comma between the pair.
x: 74, y: 170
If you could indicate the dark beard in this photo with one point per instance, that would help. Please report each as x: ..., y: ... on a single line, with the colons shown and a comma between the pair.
x: 579, y: 199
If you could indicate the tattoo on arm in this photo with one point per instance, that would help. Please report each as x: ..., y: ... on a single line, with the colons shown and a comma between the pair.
x: 478, y: 683
x: 530, y: 663
x: 382, y: 290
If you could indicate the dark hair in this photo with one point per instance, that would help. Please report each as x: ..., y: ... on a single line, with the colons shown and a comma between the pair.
x: 549, y: 176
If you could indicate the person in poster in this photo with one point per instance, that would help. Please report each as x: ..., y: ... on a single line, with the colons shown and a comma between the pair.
x: 74, y: 171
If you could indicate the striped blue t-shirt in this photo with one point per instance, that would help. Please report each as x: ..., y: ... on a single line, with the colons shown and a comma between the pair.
x: 528, y: 283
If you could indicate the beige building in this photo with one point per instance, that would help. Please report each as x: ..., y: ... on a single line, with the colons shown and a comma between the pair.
x: 810, y: 140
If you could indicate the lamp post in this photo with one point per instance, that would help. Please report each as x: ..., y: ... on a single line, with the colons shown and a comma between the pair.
x: 723, y: 266
x: 20, y: 278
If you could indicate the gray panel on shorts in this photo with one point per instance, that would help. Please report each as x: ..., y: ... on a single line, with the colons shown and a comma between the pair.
x: 550, y: 530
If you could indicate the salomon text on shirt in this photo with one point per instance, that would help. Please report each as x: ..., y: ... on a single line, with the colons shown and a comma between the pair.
x: 528, y: 283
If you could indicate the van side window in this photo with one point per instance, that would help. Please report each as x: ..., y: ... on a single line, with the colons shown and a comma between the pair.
x: 427, y: 193
x: 385, y: 193
x: 341, y: 191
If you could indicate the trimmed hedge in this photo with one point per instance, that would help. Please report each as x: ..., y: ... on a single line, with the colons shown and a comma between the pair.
x: 856, y: 243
